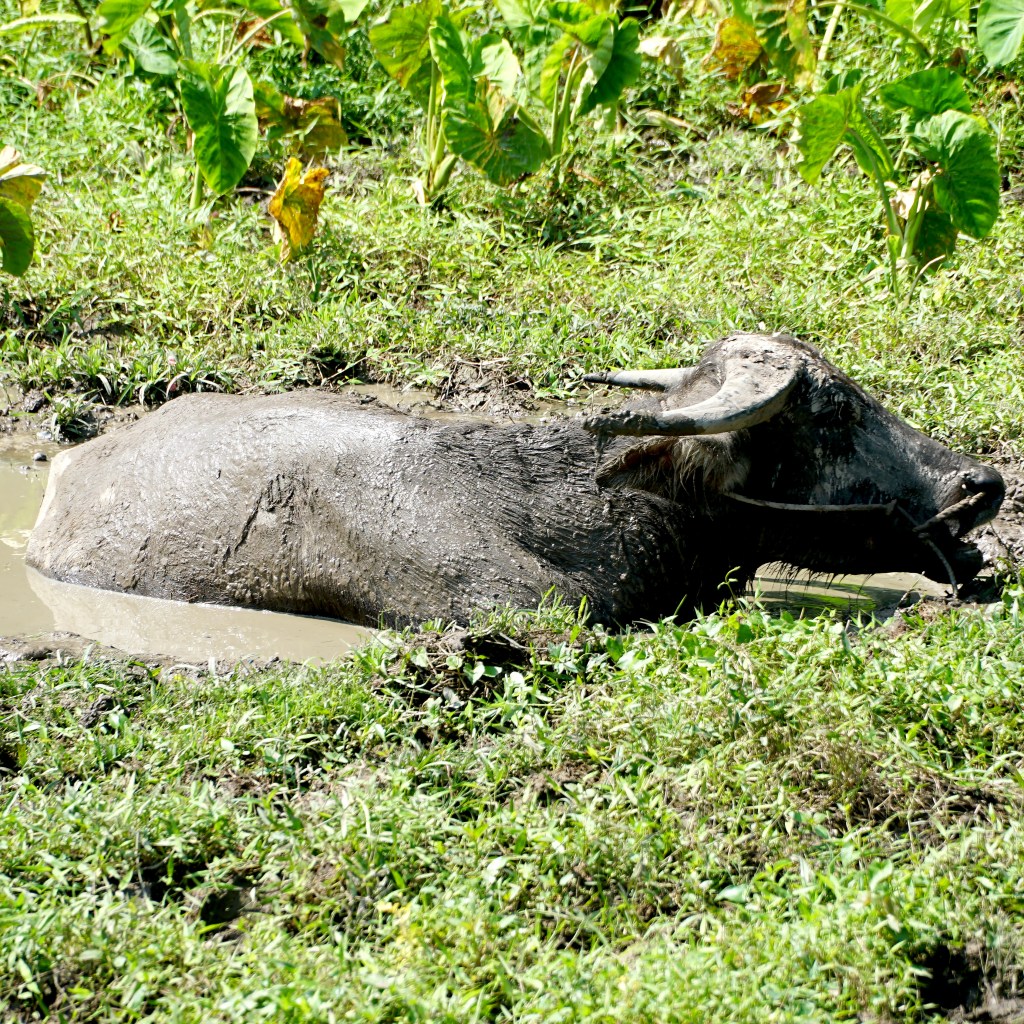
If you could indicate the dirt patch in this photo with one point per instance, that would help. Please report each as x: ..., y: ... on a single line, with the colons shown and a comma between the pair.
x: 487, y: 388
x: 459, y: 664
x: 1002, y: 540
x: 964, y: 984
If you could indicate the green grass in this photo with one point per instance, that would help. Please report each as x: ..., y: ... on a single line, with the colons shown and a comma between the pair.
x: 738, y: 819
x: 742, y: 819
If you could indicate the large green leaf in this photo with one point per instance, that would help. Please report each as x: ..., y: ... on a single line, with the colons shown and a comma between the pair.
x: 783, y: 31
x: 822, y: 125
x: 495, y: 60
x: 17, y: 239
x: 402, y: 45
x: 149, y: 49
x: 623, y: 68
x: 116, y: 18
x: 19, y: 182
x: 219, y: 106
x: 495, y: 136
x: 325, y: 23
x: 927, y: 92
x: 451, y: 50
x: 830, y: 120
x: 463, y: 61
x: 1000, y: 29
x: 967, y: 182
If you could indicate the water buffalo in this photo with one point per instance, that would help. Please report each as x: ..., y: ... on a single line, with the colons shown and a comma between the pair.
x: 306, y: 503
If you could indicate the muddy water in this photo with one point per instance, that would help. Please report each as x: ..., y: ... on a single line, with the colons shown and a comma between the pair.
x: 31, y: 604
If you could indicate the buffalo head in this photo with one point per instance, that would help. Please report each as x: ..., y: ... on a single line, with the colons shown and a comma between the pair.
x: 801, y: 462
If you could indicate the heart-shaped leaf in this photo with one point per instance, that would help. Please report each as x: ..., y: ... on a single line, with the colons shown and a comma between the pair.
x: 927, y: 92
x: 149, y: 49
x: 1000, y: 29
x: 623, y: 68
x: 295, y: 206
x: 17, y: 239
x: 496, y: 136
x: 822, y: 125
x: 219, y: 106
x: 967, y: 182
x: 116, y: 18
x: 402, y: 45
x: 827, y: 122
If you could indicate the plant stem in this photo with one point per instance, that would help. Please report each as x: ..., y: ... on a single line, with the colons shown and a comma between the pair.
x: 869, y: 157
x: 430, y: 128
x: 197, y: 191
x: 830, y: 31
x: 883, y: 19
x: 915, y: 218
x: 77, y: 4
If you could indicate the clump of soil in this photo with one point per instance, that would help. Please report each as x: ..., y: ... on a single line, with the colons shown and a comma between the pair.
x: 486, y: 388
x: 1002, y: 540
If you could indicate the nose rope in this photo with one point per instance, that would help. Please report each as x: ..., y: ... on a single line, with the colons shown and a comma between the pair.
x: 920, y: 530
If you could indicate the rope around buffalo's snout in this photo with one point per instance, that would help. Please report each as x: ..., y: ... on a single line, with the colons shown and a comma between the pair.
x: 889, y: 508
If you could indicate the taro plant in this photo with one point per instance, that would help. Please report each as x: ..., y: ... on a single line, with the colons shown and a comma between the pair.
x: 218, y: 98
x: 20, y: 184
x: 942, y: 180
x: 402, y: 44
x: 477, y: 94
x: 480, y: 118
x: 577, y: 58
x: 1000, y: 30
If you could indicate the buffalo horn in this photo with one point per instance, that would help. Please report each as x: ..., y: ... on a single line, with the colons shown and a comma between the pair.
x: 649, y: 380
x: 754, y: 388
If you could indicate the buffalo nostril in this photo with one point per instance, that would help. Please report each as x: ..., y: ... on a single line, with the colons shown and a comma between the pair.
x: 985, y: 480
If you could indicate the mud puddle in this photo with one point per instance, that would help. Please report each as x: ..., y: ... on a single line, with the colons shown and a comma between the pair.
x: 32, y: 605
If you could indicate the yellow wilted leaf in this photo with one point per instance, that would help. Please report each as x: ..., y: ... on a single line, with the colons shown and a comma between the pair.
x: 19, y: 182
x: 296, y: 204
x: 665, y: 50
x: 761, y: 102
x: 736, y: 47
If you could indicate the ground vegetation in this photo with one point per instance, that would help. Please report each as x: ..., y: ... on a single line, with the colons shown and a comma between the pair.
x: 747, y: 817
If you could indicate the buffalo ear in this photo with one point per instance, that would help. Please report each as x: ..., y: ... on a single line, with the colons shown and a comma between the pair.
x: 648, y: 457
